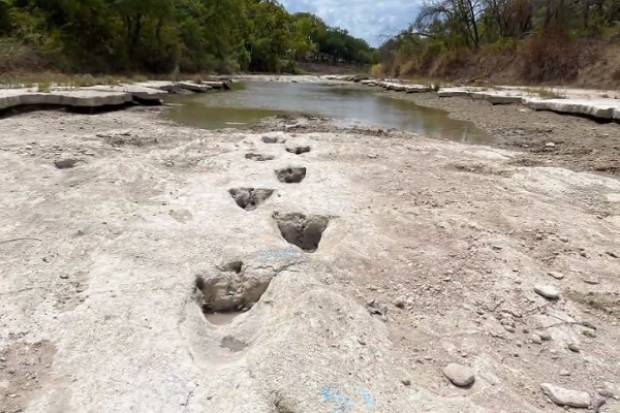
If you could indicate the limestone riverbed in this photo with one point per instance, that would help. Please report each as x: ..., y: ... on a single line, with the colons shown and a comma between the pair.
x: 349, y: 270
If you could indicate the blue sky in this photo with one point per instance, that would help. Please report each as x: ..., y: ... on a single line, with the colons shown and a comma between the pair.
x: 372, y: 20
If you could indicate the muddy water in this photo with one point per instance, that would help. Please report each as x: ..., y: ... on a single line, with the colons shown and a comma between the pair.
x: 252, y: 102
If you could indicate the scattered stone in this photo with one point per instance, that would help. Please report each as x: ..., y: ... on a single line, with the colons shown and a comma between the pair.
x: 547, y: 291
x: 459, y: 375
x: 406, y: 382
x: 400, y: 303
x: 377, y: 309
x: 612, y: 254
x: 536, y: 339
x: 298, y: 150
x: 566, y: 397
x: 588, y: 324
x: 550, y: 144
x: 65, y: 163
x: 273, y: 139
x: 556, y: 275
x: 545, y: 336
x: 564, y: 373
x: 574, y: 348
x: 589, y: 333
x: 259, y: 157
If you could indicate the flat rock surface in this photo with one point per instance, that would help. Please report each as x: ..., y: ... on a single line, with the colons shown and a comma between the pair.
x: 99, y: 95
x: 62, y: 97
x: 100, y: 298
x: 597, y: 104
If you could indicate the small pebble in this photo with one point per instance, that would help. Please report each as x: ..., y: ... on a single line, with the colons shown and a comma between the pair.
x: 556, y: 275
x: 547, y: 291
x: 589, y: 333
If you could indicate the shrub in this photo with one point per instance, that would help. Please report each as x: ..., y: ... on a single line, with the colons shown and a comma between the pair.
x: 377, y: 71
x: 430, y: 53
x: 550, y: 56
x: 18, y: 56
x: 44, y: 87
x: 450, y: 63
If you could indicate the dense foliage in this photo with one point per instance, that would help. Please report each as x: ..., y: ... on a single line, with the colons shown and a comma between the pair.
x: 549, y: 37
x: 172, y: 35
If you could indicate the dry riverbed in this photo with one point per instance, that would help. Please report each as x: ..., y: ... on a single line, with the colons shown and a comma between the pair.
x: 542, y: 138
x: 303, y: 268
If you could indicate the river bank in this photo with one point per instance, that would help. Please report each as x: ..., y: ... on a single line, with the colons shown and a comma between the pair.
x: 353, y: 265
x: 542, y: 138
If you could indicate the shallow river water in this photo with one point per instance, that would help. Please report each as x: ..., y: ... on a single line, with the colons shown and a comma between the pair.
x: 251, y: 102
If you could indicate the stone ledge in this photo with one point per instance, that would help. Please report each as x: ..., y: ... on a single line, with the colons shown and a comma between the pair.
x: 104, y: 96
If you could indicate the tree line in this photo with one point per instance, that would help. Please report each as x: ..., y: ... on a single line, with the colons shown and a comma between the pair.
x: 164, y: 36
x: 543, y: 33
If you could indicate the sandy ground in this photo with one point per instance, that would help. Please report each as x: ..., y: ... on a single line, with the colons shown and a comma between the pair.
x: 543, y: 138
x: 431, y: 255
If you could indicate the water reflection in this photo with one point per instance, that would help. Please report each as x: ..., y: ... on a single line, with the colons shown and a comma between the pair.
x: 255, y: 101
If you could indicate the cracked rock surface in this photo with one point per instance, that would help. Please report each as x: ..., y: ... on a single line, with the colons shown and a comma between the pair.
x: 422, y: 265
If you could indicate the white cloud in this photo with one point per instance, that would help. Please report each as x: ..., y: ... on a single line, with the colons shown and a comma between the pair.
x: 373, y: 21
